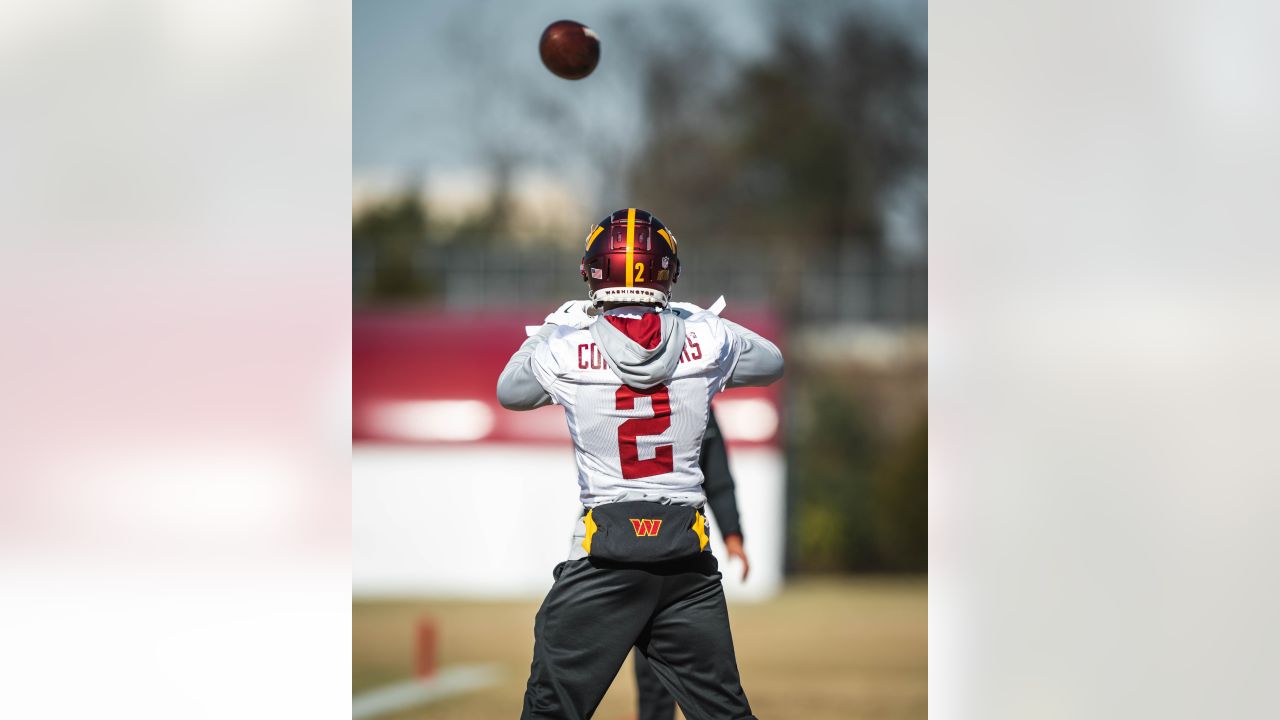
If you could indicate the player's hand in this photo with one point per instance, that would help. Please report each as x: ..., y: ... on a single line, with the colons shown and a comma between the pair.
x: 684, y: 309
x: 575, y: 313
x: 733, y: 544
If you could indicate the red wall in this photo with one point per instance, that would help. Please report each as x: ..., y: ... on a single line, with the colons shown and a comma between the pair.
x: 435, y: 355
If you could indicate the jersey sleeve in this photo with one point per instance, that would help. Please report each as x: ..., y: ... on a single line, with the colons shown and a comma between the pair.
x: 730, y: 351
x: 527, y: 380
x: 545, y: 365
x: 746, y: 359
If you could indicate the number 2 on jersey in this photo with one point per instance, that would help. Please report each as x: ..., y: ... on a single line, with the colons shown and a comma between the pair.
x: 628, y: 449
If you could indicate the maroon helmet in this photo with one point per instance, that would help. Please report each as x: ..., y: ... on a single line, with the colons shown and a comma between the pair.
x: 630, y: 257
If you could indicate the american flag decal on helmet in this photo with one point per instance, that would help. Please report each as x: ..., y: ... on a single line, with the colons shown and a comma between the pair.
x: 597, y: 274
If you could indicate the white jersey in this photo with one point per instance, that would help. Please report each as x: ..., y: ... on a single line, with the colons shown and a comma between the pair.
x: 637, y: 444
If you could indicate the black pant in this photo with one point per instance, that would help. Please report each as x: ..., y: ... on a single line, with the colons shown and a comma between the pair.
x: 672, y: 613
x: 654, y: 700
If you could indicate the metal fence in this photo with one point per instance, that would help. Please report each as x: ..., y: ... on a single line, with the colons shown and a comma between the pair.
x: 848, y: 285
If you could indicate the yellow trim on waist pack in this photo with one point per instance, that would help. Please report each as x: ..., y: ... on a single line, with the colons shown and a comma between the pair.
x: 590, y: 524
x: 700, y: 529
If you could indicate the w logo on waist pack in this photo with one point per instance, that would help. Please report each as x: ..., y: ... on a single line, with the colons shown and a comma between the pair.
x: 646, y: 527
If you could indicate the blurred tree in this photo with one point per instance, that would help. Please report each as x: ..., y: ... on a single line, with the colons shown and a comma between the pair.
x: 860, y: 496
x: 385, y: 239
x: 900, y: 492
x: 398, y: 247
x: 805, y: 144
x: 492, y: 224
x: 830, y: 461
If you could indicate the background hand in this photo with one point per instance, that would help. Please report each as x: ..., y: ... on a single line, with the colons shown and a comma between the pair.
x: 733, y: 544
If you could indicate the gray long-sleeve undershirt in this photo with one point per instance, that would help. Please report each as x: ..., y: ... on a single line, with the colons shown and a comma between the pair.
x: 759, y: 361
x: 518, y: 387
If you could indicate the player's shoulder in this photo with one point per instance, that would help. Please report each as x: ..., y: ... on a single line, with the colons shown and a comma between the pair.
x: 566, y: 333
x: 704, y: 317
x: 705, y: 323
x: 694, y: 314
x: 564, y: 340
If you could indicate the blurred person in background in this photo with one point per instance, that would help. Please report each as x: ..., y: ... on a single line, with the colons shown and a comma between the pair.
x: 654, y: 701
x: 635, y: 376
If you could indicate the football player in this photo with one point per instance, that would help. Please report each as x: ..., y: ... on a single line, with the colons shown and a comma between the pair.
x: 635, y: 376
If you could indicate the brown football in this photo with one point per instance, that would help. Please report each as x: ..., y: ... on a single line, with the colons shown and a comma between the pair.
x: 569, y: 49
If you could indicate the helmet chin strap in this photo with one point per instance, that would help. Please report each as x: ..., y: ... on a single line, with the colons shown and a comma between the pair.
x: 649, y: 297
x: 607, y: 306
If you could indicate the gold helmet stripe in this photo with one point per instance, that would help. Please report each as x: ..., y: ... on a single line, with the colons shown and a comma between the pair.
x: 670, y: 239
x: 594, y: 234
x: 631, y: 246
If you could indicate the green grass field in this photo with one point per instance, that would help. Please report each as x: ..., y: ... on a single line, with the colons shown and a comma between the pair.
x: 824, y: 648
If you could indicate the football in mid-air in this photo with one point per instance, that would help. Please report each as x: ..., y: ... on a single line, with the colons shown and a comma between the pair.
x: 569, y: 49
